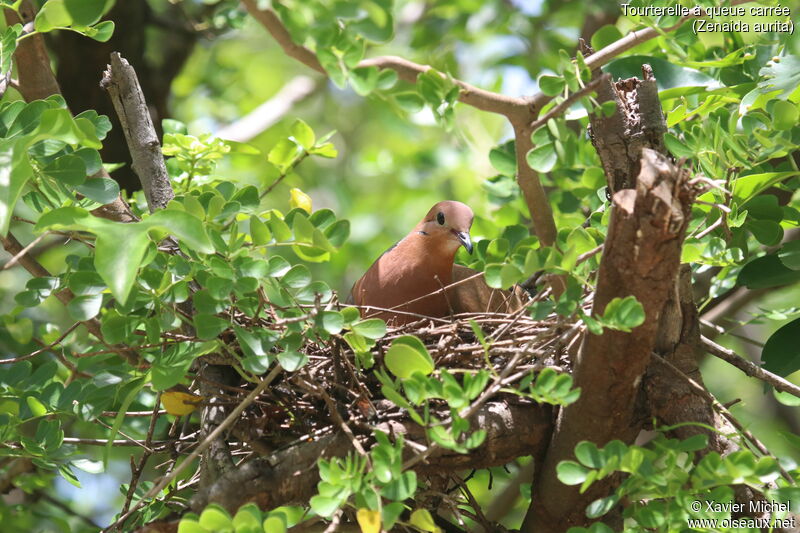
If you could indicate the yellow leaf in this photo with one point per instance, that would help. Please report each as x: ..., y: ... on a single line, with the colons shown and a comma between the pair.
x: 179, y: 403
x: 298, y: 198
x: 422, y: 519
x: 369, y: 521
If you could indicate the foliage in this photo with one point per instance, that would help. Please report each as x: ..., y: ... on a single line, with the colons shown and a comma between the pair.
x: 241, y: 266
x: 668, y: 485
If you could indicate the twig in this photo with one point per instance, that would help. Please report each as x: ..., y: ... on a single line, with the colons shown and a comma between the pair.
x: 725, y: 412
x: 285, y: 173
x: 13, y: 261
x: 137, y: 471
x: 337, y: 419
x: 470, y: 410
x: 123, y: 87
x: 66, y: 508
x: 750, y: 368
x: 117, y: 442
x: 229, y: 420
x: 40, y: 350
x: 571, y: 99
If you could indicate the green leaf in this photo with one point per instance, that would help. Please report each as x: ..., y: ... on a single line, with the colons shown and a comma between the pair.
x: 781, y: 353
x: 677, y: 147
x: 215, y: 518
x: 789, y: 255
x: 422, y: 519
x: 259, y: 231
x: 209, y: 326
x: 274, y: 524
x: 15, y: 171
x: 542, y: 158
x: 53, y: 14
x: 85, y: 306
x: 623, y: 314
x: 601, y: 506
x: 587, y: 453
x: 571, y: 473
x: 303, y: 134
x: 551, y: 85
x: 116, y: 264
x: 784, y: 115
x: 605, y: 35
x: 85, y: 12
x: 503, y: 158
x: 101, y: 32
x: 767, y: 232
x: 297, y: 277
x: 404, y: 357
x: 765, y: 272
x: 673, y: 80
x: 372, y: 328
x: 324, y: 506
x: 101, y: 190
x: 782, y: 75
x: 402, y: 487
x: 747, y: 187
x: 364, y: 80
x: 8, y: 44
x: 291, y: 360
x: 409, y: 102
x: 283, y: 154
x: 331, y: 321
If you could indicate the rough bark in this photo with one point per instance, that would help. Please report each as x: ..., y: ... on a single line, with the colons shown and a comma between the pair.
x: 637, y: 124
x: 641, y: 258
x: 123, y: 86
x: 36, y: 79
x: 291, y: 475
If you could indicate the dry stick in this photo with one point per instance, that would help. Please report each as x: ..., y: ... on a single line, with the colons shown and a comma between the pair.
x: 229, y: 420
x: 725, y: 412
x: 559, y: 108
x: 13, y: 261
x: 43, y: 349
x: 750, y: 368
x: 118, y: 442
x: 467, y: 412
x: 148, y: 450
x: 123, y: 86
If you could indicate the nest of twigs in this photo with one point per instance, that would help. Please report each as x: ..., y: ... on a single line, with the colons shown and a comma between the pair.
x: 335, y: 389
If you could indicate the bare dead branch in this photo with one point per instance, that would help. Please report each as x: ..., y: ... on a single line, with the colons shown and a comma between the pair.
x: 123, y: 86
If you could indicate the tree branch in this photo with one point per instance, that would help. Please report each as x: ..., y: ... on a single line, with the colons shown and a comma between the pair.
x: 36, y: 78
x: 641, y: 258
x: 518, y: 110
x: 123, y: 86
x: 291, y: 475
x: 750, y: 368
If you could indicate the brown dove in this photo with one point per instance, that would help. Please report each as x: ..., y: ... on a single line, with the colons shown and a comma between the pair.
x: 406, y: 281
